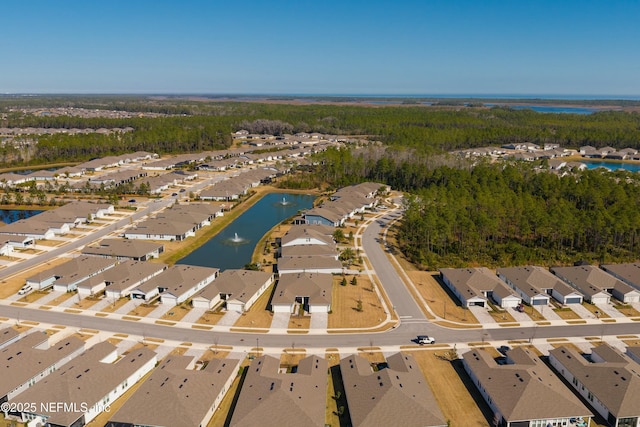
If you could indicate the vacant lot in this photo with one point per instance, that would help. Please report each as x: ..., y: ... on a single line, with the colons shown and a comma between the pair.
x: 346, y: 312
x: 459, y: 400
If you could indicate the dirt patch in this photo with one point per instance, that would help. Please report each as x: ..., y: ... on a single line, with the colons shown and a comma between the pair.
x: 566, y: 313
x: 436, y: 294
x: 177, y: 313
x: 115, y: 305
x: 142, y: 310
x: 210, y: 317
x: 297, y: 322
x: 627, y: 310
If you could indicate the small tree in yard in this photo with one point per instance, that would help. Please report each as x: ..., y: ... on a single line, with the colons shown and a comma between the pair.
x: 359, y: 306
x: 354, y: 281
x: 344, y: 281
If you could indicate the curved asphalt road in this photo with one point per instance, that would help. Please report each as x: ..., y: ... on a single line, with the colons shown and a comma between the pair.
x: 403, y: 302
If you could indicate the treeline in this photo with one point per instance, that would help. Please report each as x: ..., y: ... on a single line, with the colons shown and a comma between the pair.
x: 499, y: 215
x: 426, y: 129
x: 159, y: 135
x: 461, y: 214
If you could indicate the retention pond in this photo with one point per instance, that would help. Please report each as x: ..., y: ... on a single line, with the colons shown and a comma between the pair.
x: 233, y: 246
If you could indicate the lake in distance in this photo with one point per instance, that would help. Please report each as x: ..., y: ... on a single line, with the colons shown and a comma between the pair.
x: 631, y: 167
x: 233, y: 246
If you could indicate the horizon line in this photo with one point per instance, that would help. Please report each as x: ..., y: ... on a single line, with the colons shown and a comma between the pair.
x: 339, y: 95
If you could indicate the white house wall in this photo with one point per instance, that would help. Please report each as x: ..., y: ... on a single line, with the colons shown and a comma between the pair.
x: 580, y: 388
x: 319, y: 308
x: 41, y: 284
x: 508, y: 301
x: 84, y: 292
x: 43, y: 373
x: 122, y: 388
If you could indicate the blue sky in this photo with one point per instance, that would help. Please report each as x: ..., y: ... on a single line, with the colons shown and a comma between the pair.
x: 478, y: 47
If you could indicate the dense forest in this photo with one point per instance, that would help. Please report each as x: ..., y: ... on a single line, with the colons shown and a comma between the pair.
x: 203, y: 126
x: 498, y: 214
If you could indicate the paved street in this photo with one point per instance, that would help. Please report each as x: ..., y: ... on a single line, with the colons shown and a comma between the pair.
x: 404, y: 304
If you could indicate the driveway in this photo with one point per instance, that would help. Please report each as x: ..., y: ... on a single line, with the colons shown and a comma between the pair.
x: 194, y: 314
x: 610, y: 310
x: 482, y: 314
x: 581, y: 311
x: 280, y: 320
x: 547, y: 312
x: 519, y: 316
x: 319, y: 321
x: 229, y: 318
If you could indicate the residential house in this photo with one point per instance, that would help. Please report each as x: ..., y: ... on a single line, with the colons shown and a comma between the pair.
x: 596, y: 285
x: 296, y: 398
x: 238, y: 289
x: 65, y: 277
x: 309, y: 264
x: 524, y: 391
x: 176, y: 284
x: 627, y: 272
x: 607, y: 379
x: 474, y: 287
x: 177, y: 396
x: 535, y: 284
x: 8, y: 336
x: 311, y: 291
x: 90, y: 382
x: 33, y: 229
x: 395, y: 393
x: 121, y: 249
x: 28, y: 360
x: 126, y: 276
x: 308, y: 235
x: 162, y: 229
